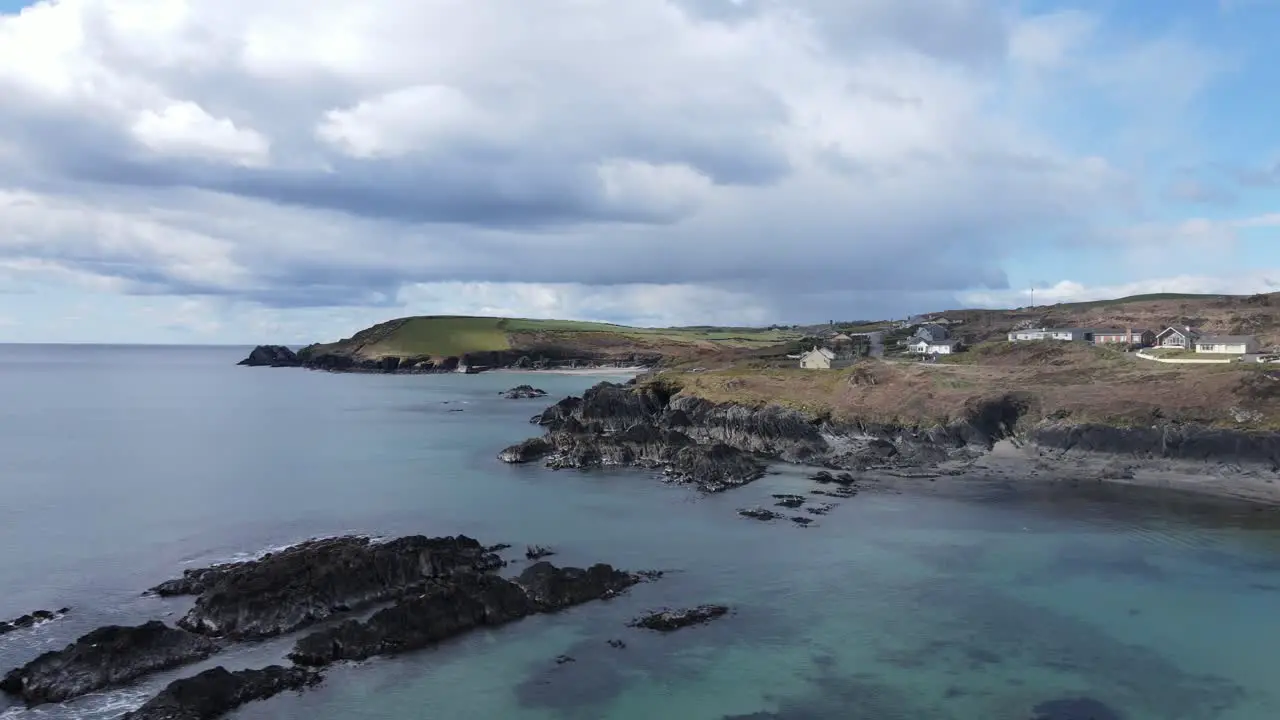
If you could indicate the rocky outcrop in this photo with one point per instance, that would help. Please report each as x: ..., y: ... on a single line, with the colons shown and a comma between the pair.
x: 668, y: 620
x: 271, y: 356
x: 107, y: 657
x: 452, y: 607
x: 216, y: 692
x: 1186, y: 442
x: 721, y: 446
x: 30, y: 620
x: 304, y: 584
x: 527, y: 451
x: 352, y: 358
x: 524, y: 392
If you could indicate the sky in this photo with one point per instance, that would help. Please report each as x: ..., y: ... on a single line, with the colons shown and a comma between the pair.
x: 289, y: 171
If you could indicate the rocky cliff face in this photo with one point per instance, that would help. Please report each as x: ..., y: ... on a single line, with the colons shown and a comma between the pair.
x: 718, y: 446
x: 343, y: 360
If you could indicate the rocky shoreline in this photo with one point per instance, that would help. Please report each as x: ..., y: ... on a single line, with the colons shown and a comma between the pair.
x: 279, y: 356
x: 433, y: 588
x: 720, y: 446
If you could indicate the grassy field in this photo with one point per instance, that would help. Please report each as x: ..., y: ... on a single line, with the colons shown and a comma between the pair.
x: 1065, y: 381
x: 446, y: 336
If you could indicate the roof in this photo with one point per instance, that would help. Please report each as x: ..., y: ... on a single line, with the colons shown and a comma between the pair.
x: 1135, y: 331
x: 1182, y: 331
x: 840, y: 338
x: 821, y: 351
x: 1227, y: 339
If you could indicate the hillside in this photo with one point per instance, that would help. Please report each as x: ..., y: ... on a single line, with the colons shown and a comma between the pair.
x: 1071, y: 382
x: 1217, y: 314
x: 445, y: 341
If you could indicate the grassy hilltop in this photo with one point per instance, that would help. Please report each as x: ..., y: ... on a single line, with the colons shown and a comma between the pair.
x: 444, y: 336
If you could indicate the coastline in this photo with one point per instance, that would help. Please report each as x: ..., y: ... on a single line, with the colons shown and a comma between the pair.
x: 588, y: 372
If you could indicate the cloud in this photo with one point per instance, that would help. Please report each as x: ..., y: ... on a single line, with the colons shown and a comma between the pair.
x: 1068, y: 291
x: 1187, y: 189
x: 649, y: 161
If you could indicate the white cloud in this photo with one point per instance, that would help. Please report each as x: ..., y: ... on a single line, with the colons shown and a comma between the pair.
x: 1068, y: 291
x: 651, y: 160
x: 185, y: 129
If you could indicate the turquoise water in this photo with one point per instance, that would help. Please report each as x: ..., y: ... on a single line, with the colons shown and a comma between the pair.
x: 121, y: 466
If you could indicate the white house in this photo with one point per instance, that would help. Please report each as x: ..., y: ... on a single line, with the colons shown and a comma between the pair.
x: 1227, y: 344
x: 934, y: 347
x: 1068, y: 334
x: 817, y: 359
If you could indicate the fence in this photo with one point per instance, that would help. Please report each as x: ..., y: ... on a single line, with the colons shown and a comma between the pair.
x: 1187, y: 361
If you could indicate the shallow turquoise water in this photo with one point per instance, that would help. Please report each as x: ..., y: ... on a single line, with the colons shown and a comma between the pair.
x: 122, y: 466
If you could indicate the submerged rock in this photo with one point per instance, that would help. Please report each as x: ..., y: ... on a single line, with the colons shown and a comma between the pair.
x: 522, y: 392
x: 667, y: 620
x: 453, y: 606
x: 822, y: 509
x: 107, y: 657
x: 216, y: 692
x: 789, y: 501
x: 1075, y: 709
x: 30, y: 620
x: 759, y: 514
x: 304, y: 584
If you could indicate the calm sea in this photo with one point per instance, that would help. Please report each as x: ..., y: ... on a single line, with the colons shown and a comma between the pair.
x: 120, y: 466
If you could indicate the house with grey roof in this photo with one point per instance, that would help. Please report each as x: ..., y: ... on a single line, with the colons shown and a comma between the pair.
x: 1173, y: 337
x: 932, y: 333
x: 1227, y: 344
x: 1067, y: 334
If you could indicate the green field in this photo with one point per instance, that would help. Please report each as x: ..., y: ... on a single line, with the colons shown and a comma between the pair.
x: 446, y: 336
x: 1151, y: 297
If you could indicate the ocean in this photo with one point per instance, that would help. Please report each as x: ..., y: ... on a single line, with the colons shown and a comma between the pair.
x: 121, y: 466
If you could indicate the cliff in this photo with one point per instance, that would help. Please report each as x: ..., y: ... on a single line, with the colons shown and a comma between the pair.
x: 666, y: 422
x: 470, y: 344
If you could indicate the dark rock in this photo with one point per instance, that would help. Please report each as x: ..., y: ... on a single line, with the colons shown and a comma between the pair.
x: 452, y: 606
x: 716, y: 467
x: 562, y: 659
x: 304, y: 584
x: 216, y: 692
x: 667, y: 620
x: 617, y: 644
x: 759, y: 514
x: 822, y: 509
x: 527, y: 451
x: 107, y: 657
x: 1075, y: 709
x: 537, y: 552
x: 552, y: 588
x: 789, y: 501
x: 522, y: 392
x: 271, y: 356
x: 801, y: 520
x: 30, y: 620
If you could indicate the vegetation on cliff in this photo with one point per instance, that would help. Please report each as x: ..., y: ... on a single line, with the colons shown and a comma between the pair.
x: 1068, y: 382
x: 440, y: 337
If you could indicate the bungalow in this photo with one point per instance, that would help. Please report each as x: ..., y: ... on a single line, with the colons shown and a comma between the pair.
x: 1068, y: 334
x: 1142, y: 338
x: 1227, y: 344
x: 928, y: 347
x: 1173, y: 337
x: 820, y: 358
x: 932, y: 333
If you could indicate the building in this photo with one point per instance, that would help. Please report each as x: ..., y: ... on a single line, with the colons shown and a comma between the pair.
x: 1227, y: 344
x: 823, y: 359
x: 1068, y: 334
x: 1184, y: 338
x: 841, y: 339
x: 927, y: 347
x: 1129, y: 336
x: 932, y: 333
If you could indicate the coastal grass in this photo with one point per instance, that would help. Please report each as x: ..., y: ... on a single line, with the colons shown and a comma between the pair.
x: 453, y: 336
x: 1092, y: 387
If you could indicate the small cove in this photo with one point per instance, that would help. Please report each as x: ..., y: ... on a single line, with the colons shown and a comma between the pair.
x: 125, y: 465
